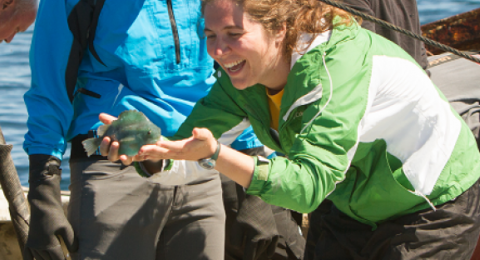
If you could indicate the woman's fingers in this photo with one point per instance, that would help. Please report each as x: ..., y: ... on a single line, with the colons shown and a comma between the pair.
x: 153, y: 152
x: 126, y: 160
x: 198, y: 146
x: 208, y: 144
x: 106, y: 118
x: 202, y: 134
x: 105, y: 146
x: 174, y: 146
x: 113, y: 152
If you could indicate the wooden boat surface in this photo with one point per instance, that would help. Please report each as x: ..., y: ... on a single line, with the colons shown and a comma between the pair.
x: 461, y: 32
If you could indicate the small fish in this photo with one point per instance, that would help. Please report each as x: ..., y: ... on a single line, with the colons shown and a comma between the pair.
x: 132, y: 130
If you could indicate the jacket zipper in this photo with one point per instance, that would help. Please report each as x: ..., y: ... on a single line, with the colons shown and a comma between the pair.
x: 174, y: 30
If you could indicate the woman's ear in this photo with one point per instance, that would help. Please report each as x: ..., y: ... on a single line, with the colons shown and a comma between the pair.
x: 280, y: 33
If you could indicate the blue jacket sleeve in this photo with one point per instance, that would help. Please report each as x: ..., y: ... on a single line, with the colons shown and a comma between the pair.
x: 246, y: 140
x: 49, y: 109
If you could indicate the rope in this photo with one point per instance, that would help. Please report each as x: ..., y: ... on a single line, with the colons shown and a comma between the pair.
x: 398, y: 29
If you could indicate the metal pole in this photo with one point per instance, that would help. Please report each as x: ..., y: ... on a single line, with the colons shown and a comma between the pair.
x: 12, y: 189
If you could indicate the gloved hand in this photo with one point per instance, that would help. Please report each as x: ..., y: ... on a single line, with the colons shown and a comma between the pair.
x: 47, y: 221
x: 255, y: 228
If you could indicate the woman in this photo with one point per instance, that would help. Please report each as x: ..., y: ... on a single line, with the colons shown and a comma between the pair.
x: 357, y: 118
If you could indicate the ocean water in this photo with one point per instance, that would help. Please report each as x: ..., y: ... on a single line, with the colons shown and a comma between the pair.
x: 15, y: 81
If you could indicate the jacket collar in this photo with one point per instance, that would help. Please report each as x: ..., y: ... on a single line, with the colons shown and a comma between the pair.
x: 304, y: 84
x: 304, y: 38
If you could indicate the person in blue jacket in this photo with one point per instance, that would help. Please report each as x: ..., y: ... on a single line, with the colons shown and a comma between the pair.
x: 89, y: 57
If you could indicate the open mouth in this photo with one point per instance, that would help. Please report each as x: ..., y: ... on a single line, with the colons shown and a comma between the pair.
x: 235, y: 66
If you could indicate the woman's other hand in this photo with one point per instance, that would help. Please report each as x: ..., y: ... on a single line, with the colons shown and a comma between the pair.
x: 200, y: 145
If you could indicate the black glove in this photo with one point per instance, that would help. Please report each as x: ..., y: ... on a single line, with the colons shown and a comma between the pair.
x: 255, y: 228
x: 47, y: 221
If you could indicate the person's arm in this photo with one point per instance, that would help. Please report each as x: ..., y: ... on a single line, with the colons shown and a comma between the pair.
x: 49, y: 109
x: 234, y: 164
x: 49, y: 117
x: 225, y: 122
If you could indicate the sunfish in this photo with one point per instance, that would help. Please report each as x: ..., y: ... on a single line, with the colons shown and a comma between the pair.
x: 132, y: 130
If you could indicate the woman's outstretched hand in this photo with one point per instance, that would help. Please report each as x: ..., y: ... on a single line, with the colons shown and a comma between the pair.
x: 200, y: 145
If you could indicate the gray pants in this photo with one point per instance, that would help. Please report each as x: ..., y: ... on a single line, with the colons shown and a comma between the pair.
x: 116, y: 214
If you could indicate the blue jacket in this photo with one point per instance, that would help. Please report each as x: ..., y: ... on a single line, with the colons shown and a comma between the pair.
x: 144, y: 68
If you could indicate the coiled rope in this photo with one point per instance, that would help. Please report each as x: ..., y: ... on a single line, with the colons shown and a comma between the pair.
x: 398, y: 29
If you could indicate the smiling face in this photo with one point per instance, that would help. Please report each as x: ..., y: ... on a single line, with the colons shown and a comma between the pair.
x: 245, y: 50
x: 15, y: 18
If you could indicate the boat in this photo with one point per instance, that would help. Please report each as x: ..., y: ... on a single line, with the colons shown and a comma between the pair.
x: 9, y: 248
x: 461, y: 31
x: 13, y: 205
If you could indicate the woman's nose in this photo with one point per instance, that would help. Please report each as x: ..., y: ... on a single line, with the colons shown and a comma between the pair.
x: 220, y: 48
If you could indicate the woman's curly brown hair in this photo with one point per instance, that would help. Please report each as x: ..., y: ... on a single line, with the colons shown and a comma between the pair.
x: 299, y: 16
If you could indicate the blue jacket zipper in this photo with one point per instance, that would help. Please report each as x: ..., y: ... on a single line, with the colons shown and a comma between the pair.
x: 174, y: 30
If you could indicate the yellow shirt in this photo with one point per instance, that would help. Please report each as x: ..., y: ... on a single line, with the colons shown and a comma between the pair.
x: 274, y: 102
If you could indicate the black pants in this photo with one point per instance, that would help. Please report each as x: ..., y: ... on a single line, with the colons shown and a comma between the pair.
x: 291, y: 243
x: 450, y: 232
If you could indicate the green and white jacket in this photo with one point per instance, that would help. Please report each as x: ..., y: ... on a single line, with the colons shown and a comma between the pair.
x: 360, y: 124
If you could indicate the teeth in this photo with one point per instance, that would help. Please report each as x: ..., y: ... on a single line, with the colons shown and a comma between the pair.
x: 229, y: 65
